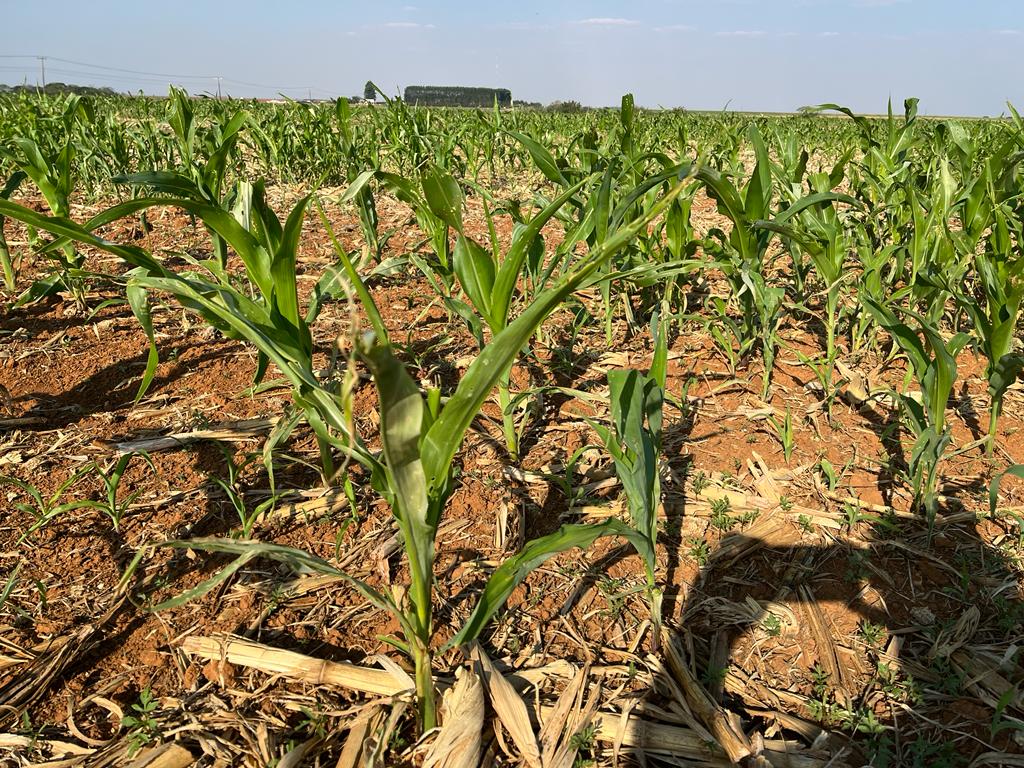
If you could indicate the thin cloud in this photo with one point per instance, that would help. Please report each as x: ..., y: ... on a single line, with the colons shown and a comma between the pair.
x: 605, y: 21
x: 742, y: 33
x: 829, y: 34
x: 1007, y: 31
x: 406, y: 25
x: 520, y: 26
x: 675, y: 28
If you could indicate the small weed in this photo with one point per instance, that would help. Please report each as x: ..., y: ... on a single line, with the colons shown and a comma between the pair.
x: 720, y: 517
x: 772, y: 624
x: 713, y: 676
x: 583, y: 741
x: 699, y: 550
x: 871, y: 634
x: 143, y: 728
x: 614, y: 591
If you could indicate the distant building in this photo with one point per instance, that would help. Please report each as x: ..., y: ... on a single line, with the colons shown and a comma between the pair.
x: 456, y: 96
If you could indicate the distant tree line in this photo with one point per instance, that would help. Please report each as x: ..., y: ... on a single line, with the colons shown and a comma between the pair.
x: 456, y: 96
x: 57, y: 88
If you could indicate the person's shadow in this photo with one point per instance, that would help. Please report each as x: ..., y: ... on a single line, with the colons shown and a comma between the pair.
x: 896, y: 645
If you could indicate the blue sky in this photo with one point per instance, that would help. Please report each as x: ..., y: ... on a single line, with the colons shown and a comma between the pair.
x: 958, y: 57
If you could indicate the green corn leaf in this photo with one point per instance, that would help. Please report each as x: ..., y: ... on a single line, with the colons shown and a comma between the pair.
x: 445, y: 436
x: 903, y: 335
x: 758, y: 194
x: 357, y: 186
x: 659, y: 362
x: 139, y: 303
x: 508, y: 273
x: 444, y: 197
x: 205, y: 586
x: 1004, y: 374
x: 248, y: 551
x: 475, y: 269
x: 541, y: 158
x: 369, y: 305
x: 1015, y: 470
x: 404, y: 419
x: 282, y: 271
x: 167, y: 182
x: 513, y: 571
x: 66, y: 228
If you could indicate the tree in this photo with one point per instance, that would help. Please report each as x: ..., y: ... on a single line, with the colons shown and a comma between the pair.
x: 370, y: 91
x: 457, y: 96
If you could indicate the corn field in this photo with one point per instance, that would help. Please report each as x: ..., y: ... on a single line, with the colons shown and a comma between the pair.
x: 362, y: 436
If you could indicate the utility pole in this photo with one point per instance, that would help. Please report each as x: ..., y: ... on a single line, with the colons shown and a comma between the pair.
x: 218, y: 87
x: 42, y: 69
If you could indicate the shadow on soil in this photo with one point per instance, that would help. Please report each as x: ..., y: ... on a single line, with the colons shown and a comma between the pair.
x: 831, y: 624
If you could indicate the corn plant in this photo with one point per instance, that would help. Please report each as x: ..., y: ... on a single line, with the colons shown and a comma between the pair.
x: 784, y: 433
x: 52, y: 170
x: 634, y: 442
x: 267, y: 316
x: 435, y: 197
x: 741, y: 254
x: 45, y: 509
x: 113, y: 507
x: 820, y: 233
x: 204, y: 155
x: 994, y: 308
x: 247, y: 516
x: 9, y: 264
x: 420, y: 439
x: 933, y: 364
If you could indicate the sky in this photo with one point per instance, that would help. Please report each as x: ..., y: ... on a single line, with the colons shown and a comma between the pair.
x: 959, y: 57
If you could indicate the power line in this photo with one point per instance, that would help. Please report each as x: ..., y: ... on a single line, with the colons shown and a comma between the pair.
x: 147, y: 76
x: 133, y: 71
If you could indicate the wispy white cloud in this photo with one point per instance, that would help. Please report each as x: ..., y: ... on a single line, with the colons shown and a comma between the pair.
x: 1008, y: 32
x: 742, y: 33
x: 410, y: 8
x: 675, y: 28
x: 828, y: 34
x: 406, y: 25
x: 518, y: 26
x: 607, y: 21
x: 879, y: 3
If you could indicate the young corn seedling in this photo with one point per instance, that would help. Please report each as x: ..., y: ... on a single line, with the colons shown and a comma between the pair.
x: 44, y: 509
x: 52, y: 171
x: 634, y: 443
x: 9, y: 265
x: 111, y: 476
x: 247, y: 516
x: 436, y: 200
x: 999, y: 273
x: 784, y: 434
x: 267, y: 315
x: 933, y: 363
x: 414, y: 474
x: 491, y: 284
x: 742, y: 254
x: 818, y: 231
x: 205, y: 155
